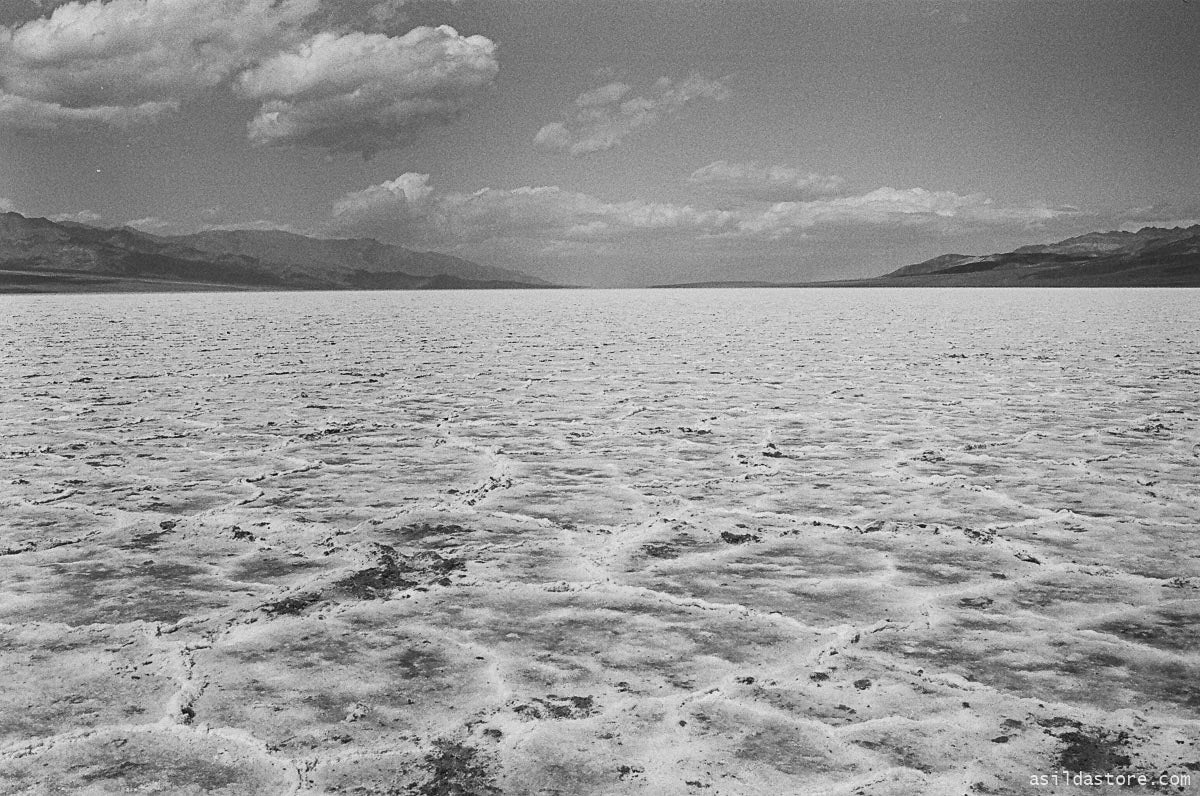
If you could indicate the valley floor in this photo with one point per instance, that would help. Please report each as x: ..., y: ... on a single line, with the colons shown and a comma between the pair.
x: 600, y: 542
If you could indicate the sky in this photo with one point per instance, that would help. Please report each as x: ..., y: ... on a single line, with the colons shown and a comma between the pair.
x: 610, y: 143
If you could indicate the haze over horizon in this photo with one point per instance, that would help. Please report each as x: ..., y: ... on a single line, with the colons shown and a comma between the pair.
x: 610, y: 143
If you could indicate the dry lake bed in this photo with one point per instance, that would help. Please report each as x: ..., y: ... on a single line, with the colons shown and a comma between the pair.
x: 600, y: 542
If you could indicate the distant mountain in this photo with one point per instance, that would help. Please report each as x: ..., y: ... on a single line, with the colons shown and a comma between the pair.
x: 352, y: 260
x: 38, y: 255
x: 1150, y: 257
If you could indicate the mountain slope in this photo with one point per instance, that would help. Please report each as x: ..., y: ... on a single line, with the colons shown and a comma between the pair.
x: 38, y: 246
x: 38, y: 255
x: 1150, y: 257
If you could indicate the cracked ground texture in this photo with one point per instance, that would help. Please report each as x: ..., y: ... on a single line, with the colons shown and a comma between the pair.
x: 599, y: 542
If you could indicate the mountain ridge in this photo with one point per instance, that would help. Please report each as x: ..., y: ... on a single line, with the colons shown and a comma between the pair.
x: 41, y: 255
x: 343, y: 255
x: 1149, y: 257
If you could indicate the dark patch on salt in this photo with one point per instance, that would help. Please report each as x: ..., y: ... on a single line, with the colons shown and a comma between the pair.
x: 629, y: 772
x: 979, y: 536
x: 268, y: 567
x: 1097, y: 751
x: 424, y: 530
x: 416, y: 663
x: 396, y: 571
x: 558, y: 707
x: 660, y: 550
x: 1176, y: 630
x: 457, y: 770
x: 292, y: 605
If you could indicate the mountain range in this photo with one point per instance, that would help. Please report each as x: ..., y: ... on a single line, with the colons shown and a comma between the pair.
x: 1150, y: 257
x: 39, y: 255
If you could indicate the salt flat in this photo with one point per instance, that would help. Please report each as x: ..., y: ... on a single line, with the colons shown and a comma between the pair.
x: 599, y: 542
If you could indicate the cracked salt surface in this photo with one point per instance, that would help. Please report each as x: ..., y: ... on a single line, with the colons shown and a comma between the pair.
x: 660, y: 542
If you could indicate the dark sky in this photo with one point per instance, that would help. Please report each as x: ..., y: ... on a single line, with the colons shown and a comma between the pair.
x: 611, y: 142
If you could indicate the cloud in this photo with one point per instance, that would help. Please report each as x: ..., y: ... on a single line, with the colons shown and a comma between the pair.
x: 125, y: 62
x: 408, y: 206
x: 79, y: 217
x: 27, y: 114
x: 940, y: 211
x: 603, y: 117
x: 362, y: 92
x: 89, y: 217
x: 374, y: 16
x: 128, y: 61
x: 410, y: 209
x: 257, y: 225
x: 154, y: 225
x: 158, y: 226
x: 1169, y: 215
x: 396, y: 201
x: 770, y: 183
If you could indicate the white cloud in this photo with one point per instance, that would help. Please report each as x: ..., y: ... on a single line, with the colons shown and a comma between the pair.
x: 604, y: 95
x: 372, y: 16
x: 944, y: 211
x: 388, y: 202
x: 126, y: 61
x: 408, y: 208
x: 80, y: 217
x: 771, y: 183
x: 604, y: 117
x: 159, y: 226
x: 89, y: 217
x: 154, y: 225
x: 257, y: 225
x: 28, y: 114
x: 365, y: 92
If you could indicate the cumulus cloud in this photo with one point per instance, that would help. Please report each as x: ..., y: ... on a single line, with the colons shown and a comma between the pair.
x: 603, y: 117
x: 374, y: 16
x: 410, y: 209
x: 394, y: 201
x: 122, y: 62
x: 361, y: 92
x: 771, y: 183
x: 125, y: 62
